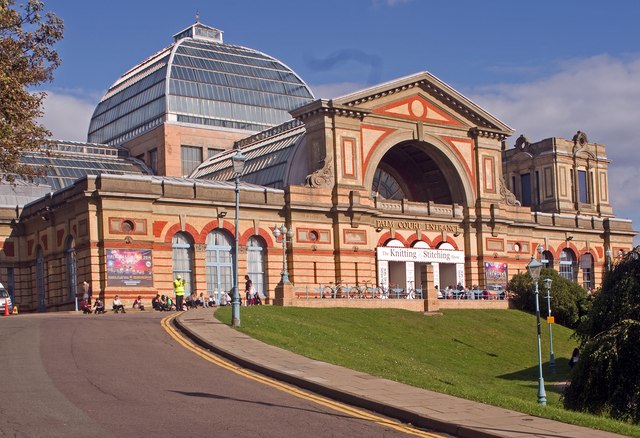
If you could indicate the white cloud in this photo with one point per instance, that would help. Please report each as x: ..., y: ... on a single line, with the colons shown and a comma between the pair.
x: 67, y: 116
x: 598, y: 96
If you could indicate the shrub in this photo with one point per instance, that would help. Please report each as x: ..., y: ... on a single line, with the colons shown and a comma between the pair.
x: 569, y: 301
x: 606, y: 380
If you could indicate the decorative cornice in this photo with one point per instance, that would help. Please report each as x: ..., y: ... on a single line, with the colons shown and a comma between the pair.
x: 385, y: 93
x: 488, y: 133
x: 328, y: 108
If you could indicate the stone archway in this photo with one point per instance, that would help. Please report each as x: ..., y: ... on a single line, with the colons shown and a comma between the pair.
x: 419, y: 171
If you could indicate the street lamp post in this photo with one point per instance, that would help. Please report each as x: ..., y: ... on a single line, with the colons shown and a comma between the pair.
x: 535, y: 267
x: 282, y: 231
x: 238, y: 161
x: 552, y: 360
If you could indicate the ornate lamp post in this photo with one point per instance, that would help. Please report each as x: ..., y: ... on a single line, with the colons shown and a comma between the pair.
x: 535, y: 267
x: 552, y: 360
x: 238, y: 161
x: 282, y: 231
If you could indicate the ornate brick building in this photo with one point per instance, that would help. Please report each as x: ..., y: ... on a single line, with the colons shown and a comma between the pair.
x: 407, y: 184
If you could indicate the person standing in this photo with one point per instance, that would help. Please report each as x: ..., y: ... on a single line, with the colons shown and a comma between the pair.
x: 86, y: 292
x: 178, y: 287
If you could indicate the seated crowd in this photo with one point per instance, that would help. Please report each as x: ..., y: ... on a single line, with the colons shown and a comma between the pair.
x: 474, y: 293
x: 159, y: 302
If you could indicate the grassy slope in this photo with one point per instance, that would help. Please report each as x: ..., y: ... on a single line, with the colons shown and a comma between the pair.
x: 483, y: 355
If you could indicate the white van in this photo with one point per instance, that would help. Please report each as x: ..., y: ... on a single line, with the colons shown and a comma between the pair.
x: 5, y: 300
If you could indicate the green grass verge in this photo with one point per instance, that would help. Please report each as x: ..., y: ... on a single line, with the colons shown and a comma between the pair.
x: 484, y: 355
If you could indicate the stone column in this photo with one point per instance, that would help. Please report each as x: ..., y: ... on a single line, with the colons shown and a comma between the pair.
x: 431, y: 299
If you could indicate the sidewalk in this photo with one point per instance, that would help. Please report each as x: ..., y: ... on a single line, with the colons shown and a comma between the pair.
x: 419, y: 407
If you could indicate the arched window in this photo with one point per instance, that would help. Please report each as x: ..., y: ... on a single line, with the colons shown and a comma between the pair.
x: 446, y: 245
x: 255, y: 264
x: 219, y: 264
x: 547, y: 259
x: 72, y: 269
x: 387, y: 185
x: 40, y: 280
x: 566, y: 264
x: 395, y: 243
x: 182, y: 254
x: 420, y: 244
x: 586, y: 264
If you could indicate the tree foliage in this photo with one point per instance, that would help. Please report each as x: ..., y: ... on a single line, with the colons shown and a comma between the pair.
x: 27, y: 59
x: 569, y: 301
x: 606, y: 378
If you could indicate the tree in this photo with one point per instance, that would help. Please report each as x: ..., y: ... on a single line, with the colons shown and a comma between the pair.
x: 27, y: 59
x: 569, y: 301
x: 606, y: 379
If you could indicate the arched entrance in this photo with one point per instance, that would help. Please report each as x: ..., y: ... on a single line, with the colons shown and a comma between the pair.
x: 182, y: 251
x: 219, y: 263
x: 418, y: 171
x: 430, y: 173
x: 255, y: 263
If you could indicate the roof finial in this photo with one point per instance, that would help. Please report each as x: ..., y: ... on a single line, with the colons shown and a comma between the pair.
x: 197, y: 16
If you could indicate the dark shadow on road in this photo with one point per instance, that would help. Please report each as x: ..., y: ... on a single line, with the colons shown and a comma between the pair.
x: 271, y: 405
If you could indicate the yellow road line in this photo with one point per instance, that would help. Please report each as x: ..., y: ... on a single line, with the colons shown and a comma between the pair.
x: 292, y: 390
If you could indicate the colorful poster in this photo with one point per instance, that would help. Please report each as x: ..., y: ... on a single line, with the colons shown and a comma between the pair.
x: 496, y: 275
x: 129, y: 268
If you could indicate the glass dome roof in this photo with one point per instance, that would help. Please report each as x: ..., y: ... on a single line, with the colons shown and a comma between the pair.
x: 199, y: 80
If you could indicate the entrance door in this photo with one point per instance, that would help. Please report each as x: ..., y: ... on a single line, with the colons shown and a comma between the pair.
x: 219, y: 264
x: 420, y: 270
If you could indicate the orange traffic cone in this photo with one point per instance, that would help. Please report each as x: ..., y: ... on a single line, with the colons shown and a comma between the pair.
x: 6, y: 307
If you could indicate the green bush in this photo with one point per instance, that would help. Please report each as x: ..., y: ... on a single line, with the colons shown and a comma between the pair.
x: 570, y: 303
x: 606, y: 379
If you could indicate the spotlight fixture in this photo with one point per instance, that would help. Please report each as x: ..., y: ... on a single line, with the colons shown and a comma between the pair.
x: 457, y: 233
x: 378, y: 229
x: 222, y: 214
x: 570, y: 237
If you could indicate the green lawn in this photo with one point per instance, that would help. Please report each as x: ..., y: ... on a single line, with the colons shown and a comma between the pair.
x: 483, y: 355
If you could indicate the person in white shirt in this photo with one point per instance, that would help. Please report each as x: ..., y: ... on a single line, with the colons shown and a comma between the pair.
x: 117, y: 305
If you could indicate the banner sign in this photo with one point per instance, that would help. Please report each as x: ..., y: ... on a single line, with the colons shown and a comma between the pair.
x: 420, y: 255
x: 496, y: 275
x: 129, y: 267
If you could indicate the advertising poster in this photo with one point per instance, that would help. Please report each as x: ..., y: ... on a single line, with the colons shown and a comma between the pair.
x: 496, y: 275
x: 129, y: 268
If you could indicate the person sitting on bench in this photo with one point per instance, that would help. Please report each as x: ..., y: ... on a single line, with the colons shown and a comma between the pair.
x: 117, y: 305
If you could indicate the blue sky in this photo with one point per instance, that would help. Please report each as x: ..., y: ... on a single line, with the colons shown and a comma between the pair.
x: 546, y: 68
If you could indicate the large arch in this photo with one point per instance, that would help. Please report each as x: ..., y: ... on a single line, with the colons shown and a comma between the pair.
x: 438, y: 172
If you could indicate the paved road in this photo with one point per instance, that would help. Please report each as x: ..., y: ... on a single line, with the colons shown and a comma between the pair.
x: 111, y: 375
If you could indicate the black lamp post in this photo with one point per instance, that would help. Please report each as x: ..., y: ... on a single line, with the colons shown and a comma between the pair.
x: 238, y: 161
